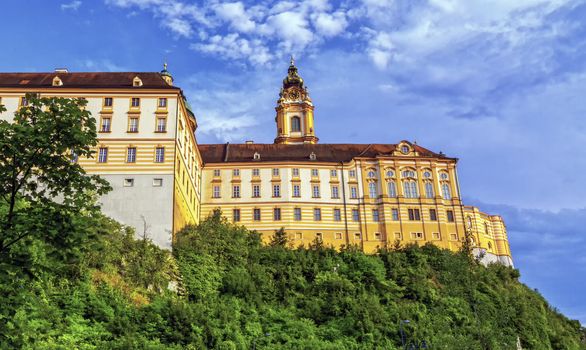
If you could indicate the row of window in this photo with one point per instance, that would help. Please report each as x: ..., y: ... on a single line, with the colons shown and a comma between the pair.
x: 378, y: 236
x: 133, y: 123
x: 413, y: 214
x: 130, y: 155
x: 276, y: 172
x: 108, y: 102
x: 409, y: 190
x: 129, y: 182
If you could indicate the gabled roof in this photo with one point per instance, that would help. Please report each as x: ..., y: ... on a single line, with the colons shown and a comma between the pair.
x: 331, y: 153
x: 114, y: 80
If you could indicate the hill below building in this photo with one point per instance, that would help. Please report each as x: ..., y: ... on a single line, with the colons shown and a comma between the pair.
x: 228, y: 291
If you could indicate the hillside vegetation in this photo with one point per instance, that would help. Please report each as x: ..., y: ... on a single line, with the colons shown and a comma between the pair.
x: 228, y: 291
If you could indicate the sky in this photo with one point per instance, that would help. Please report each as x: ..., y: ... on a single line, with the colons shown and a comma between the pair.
x: 499, y: 84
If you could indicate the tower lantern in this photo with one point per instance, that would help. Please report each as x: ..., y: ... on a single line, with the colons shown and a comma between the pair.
x: 294, y: 110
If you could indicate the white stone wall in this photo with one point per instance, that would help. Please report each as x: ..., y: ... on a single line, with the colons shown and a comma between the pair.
x: 129, y: 205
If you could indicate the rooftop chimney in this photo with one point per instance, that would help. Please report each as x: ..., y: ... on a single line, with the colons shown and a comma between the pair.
x: 249, y: 142
x: 61, y: 70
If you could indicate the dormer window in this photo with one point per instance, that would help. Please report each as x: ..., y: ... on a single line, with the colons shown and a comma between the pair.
x: 57, y: 81
x: 405, y: 149
x: 256, y: 156
x: 312, y: 156
x: 136, y: 82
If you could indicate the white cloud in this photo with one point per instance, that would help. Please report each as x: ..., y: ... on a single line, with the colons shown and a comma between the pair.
x: 235, y: 14
x: 232, y: 46
x: 103, y: 65
x: 380, y: 50
x: 330, y: 25
x: 73, y: 6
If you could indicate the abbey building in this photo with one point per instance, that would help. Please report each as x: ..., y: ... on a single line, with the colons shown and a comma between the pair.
x: 368, y: 195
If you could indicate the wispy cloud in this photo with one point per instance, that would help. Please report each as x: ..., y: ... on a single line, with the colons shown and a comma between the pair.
x: 100, y: 65
x: 73, y: 6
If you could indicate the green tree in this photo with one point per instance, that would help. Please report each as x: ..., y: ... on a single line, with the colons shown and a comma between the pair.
x: 280, y: 238
x: 41, y: 184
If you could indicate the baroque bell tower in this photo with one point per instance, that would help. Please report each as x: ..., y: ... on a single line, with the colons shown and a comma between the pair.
x: 294, y: 111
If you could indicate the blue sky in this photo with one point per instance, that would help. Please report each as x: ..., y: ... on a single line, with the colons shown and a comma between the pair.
x: 500, y: 84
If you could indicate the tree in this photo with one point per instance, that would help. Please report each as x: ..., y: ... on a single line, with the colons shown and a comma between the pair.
x: 40, y: 180
x: 280, y: 238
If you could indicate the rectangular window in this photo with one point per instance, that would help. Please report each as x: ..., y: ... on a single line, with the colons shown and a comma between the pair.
x: 157, y: 182
x: 256, y: 214
x: 338, y: 235
x: 432, y: 215
x: 255, y: 172
x: 416, y: 235
x: 276, y: 190
x: 106, y: 124
x: 357, y: 235
x: 295, y: 171
x: 128, y: 182
x: 353, y: 192
x: 337, y: 215
x: 335, y: 192
x: 398, y: 236
x: 159, y: 154
x: 316, y: 214
x: 236, y: 191
x: 297, y: 214
x: 333, y: 173
x: 454, y: 236
x: 275, y: 172
x: 375, y: 215
x: 315, y: 192
x: 414, y: 214
x: 352, y: 173
x: 450, y: 214
x: 103, y: 155
x: 372, y: 190
x: 23, y: 101
x: 236, y: 172
x: 277, y: 214
x: 255, y: 191
x: 319, y: 237
x: 395, y: 214
x: 133, y: 124
x: 236, y: 215
x: 436, y: 235
x: 314, y: 173
x: 377, y: 236
x: 296, y: 191
x: 135, y: 102
x: 162, y: 102
x: 299, y: 235
x: 216, y: 192
x: 161, y: 124
x: 131, y: 154
x: 216, y: 172
x: 355, y: 215
x: 108, y: 101
x: 428, y: 190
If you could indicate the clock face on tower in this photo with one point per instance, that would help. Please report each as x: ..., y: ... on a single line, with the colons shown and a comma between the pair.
x: 294, y: 95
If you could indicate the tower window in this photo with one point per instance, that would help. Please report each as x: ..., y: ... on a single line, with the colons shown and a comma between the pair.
x: 295, y: 124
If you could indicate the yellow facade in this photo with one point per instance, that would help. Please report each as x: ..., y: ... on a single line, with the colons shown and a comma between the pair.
x: 368, y: 195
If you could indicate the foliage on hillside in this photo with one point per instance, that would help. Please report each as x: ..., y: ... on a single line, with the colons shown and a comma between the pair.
x: 235, y: 293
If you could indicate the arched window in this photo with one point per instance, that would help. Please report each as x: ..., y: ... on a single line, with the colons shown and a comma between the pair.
x: 295, y: 124
x: 410, y: 189
x: 392, y: 189
x: 489, y: 247
x: 446, y: 191
x: 371, y: 174
x: 428, y: 190
x: 486, y: 231
x: 372, y: 190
